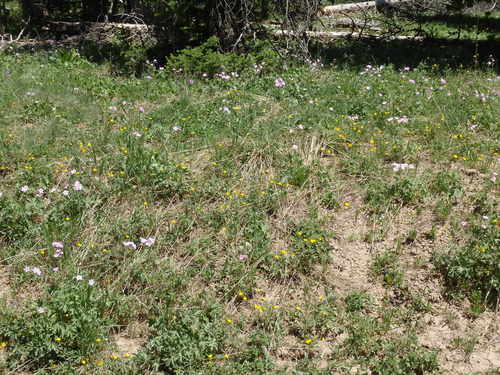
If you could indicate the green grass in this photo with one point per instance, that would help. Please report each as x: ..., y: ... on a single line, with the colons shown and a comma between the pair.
x: 242, y: 193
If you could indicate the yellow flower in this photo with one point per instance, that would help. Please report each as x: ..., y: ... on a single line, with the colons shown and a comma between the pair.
x: 229, y: 321
x: 308, y: 341
x: 126, y: 355
x: 114, y: 356
x: 58, y: 339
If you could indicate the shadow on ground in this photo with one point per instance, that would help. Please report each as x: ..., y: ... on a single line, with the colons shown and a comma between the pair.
x: 440, y: 54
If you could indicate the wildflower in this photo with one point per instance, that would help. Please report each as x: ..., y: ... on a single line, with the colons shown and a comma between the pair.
x: 78, y: 277
x: 176, y: 128
x: 91, y: 282
x: 24, y: 188
x: 58, y: 339
x: 65, y: 193
x: 40, y: 310
x: 27, y: 269
x: 57, y: 245
x: 141, y: 109
x: 136, y: 134
x: 294, y: 147
x: 40, y: 192
x: 396, y: 167
x: 129, y: 244
x: 493, y: 178
x: 58, y: 253
x: 36, y: 271
x: 279, y: 82
x: 55, y: 269
x: 77, y: 186
x: 225, y: 109
x: 147, y: 241
x: 243, y: 256
x: 112, y: 108
x: 308, y: 341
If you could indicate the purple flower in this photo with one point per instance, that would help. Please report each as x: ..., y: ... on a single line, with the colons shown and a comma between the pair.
x: 279, y: 82
x: 24, y: 188
x: 243, y: 256
x: 136, y: 134
x: 36, y: 271
x: 147, y: 241
x: 27, y: 269
x: 129, y: 244
x: 141, y: 109
x: 57, y: 245
x: 40, y: 192
x: 55, y: 269
x: 77, y: 186
x: 58, y: 253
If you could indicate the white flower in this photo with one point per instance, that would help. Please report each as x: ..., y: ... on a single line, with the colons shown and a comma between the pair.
x: 77, y: 186
x: 57, y: 245
x: 136, y: 134
x: 24, y: 188
x: 396, y: 167
x: 147, y: 241
x: 91, y: 282
x: 295, y: 147
x: 36, y: 271
x: 175, y: 128
x: 40, y: 192
x: 78, y: 277
x: 40, y: 310
x: 65, y: 193
x: 129, y: 244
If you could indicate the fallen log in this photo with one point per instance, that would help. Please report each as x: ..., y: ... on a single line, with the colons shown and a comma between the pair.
x: 354, y: 7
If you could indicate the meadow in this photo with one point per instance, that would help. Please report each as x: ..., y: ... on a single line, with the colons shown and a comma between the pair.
x: 326, y: 218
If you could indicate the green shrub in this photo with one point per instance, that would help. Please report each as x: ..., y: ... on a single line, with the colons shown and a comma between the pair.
x: 406, y: 191
x: 67, y: 326
x: 183, y: 341
x: 207, y: 59
x: 474, y: 270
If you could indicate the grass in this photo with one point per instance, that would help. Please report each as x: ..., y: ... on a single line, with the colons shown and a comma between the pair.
x: 208, y: 220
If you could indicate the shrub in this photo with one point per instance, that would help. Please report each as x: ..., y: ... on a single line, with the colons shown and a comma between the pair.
x: 184, y: 340
x: 69, y: 325
x: 474, y: 270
